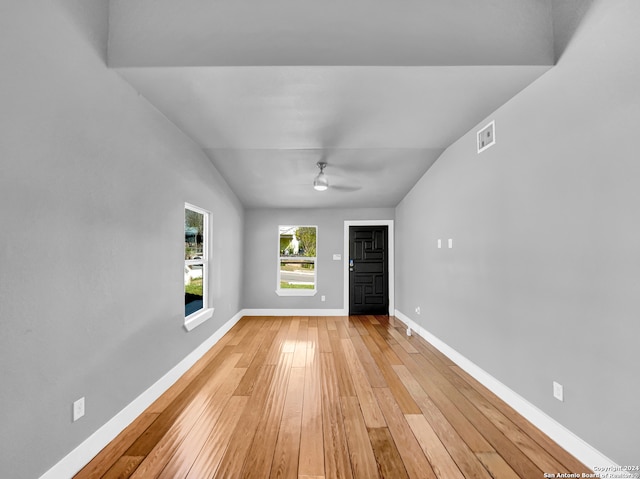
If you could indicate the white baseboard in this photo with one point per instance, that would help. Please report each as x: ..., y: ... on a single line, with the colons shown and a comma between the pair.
x: 582, y: 451
x: 81, y: 455
x: 295, y: 312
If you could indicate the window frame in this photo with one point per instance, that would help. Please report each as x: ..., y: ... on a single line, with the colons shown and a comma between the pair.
x: 292, y: 291
x: 206, y: 312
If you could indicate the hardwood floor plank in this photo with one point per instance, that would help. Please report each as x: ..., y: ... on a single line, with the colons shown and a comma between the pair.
x: 497, y: 466
x: 276, y: 349
x: 400, y: 393
x: 185, y: 455
x: 357, y: 324
x: 345, y: 382
x: 291, y: 340
x: 105, y: 459
x: 415, y: 462
x: 373, y: 417
x: 242, y: 330
x: 441, y: 461
x: 328, y: 398
x: 514, y: 432
x: 446, y: 404
x: 390, y: 465
x: 532, y: 449
x: 248, y: 382
x: 211, y: 453
x: 300, y: 352
x: 258, y: 463
x: 570, y: 462
x: 463, y: 456
x: 353, y: 331
x: 323, y: 337
x: 313, y: 345
x: 251, y: 346
x: 390, y: 355
x: 287, y: 449
x: 428, y: 349
x: 383, y: 332
x: 516, y: 459
x: 183, y: 404
x: 234, y: 456
x: 342, y: 325
x: 195, y: 411
x: 402, y: 341
x: 363, y: 461
x: 210, y: 357
x: 374, y: 375
x: 123, y: 467
x: 164, y: 447
x: 373, y: 320
x: 336, y: 456
x: 527, y: 445
x: 275, y: 323
x: 311, y: 461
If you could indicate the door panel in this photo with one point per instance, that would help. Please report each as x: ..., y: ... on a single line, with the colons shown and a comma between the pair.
x: 368, y: 270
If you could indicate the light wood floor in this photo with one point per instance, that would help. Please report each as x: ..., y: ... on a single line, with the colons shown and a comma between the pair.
x: 328, y: 397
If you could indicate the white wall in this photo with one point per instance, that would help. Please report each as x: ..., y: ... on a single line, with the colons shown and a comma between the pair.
x: 542, y: 282
x: 93, y: 182
x: 261, y: 255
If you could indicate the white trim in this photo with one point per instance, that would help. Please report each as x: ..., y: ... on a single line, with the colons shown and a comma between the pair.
x: 296, y: 292
x: 390, y: 236
x: 196, y: 319
x: 584, y: 452
x: 293, y: 291
x: 81, y: 455
x: 295, y: 312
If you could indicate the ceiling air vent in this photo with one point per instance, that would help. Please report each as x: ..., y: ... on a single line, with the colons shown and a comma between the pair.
x: 487, y: 137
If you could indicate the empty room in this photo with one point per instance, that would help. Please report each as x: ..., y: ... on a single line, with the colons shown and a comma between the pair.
x: 319, y: 239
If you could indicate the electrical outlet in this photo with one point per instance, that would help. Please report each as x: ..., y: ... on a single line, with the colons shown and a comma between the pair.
x: 322, y: 298
x: 450, y: 242
x: 418, y: 310
x: 78, y: 409
x: 439, y: 243
x: 487, y: 137
x: 558, y: 391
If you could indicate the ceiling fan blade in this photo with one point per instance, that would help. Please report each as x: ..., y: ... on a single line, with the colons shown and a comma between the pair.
x: 345, y: 189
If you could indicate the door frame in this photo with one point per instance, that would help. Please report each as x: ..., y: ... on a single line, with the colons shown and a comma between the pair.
x: 390, y: 265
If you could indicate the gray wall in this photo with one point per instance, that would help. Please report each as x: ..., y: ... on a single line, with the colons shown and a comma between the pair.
x: 93, y: 182
x: 261, y: 255
x: 542, y: 281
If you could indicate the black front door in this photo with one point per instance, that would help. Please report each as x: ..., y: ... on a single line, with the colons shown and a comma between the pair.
x: 368, y: 270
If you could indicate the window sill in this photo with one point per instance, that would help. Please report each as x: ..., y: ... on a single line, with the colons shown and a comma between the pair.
x: 196, y: 319
x: 296, y: 292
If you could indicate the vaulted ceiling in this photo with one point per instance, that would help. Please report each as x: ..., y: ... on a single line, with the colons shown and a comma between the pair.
x: 376, y: 89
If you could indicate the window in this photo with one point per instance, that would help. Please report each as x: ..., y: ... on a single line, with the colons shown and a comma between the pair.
x: 196, y: 267
x: 297, y: 261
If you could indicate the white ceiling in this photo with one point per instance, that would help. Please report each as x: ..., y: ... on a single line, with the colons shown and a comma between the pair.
x: 376, y: 89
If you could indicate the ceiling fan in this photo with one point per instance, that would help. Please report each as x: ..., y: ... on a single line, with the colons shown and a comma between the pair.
x: 321, y: 182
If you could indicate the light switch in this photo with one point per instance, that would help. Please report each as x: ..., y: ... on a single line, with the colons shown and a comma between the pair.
x: 558, y: 391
